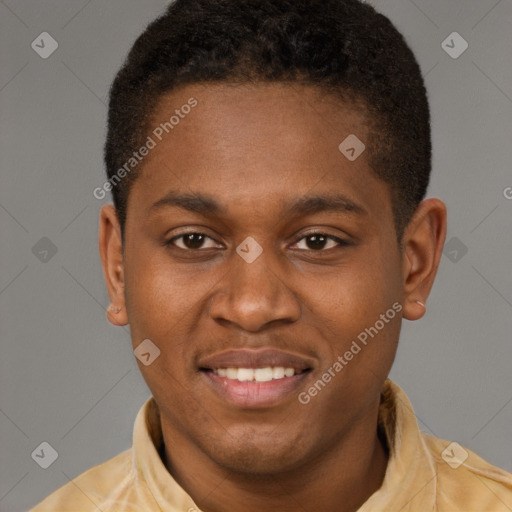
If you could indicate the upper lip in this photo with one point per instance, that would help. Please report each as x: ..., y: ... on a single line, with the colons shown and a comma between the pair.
x: 250, y: 358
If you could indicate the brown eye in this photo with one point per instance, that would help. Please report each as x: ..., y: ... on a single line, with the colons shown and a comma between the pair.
x: 319, y: 242
x: 191, y: 241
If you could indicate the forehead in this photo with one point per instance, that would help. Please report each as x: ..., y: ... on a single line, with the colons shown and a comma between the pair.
x: 256, y: 144
x: 279, y: 114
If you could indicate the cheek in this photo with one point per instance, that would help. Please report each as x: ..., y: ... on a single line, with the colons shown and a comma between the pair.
x: 164, y: 305
x: 159, y: 293
x: 348, y: 306
x: 358, y: 329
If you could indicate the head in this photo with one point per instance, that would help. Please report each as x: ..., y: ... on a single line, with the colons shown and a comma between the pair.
x: 240, y: 223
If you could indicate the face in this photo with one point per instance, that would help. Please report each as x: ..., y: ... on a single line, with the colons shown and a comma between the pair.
x: 254, y: 249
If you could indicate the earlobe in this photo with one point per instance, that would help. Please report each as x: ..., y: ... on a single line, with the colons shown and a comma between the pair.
x: 414, y: 310
x: 111, y: 252
x: 115, y: 317
x: 423, y: 244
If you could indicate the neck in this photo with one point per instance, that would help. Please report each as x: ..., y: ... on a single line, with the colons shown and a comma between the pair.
x: 341, y: 479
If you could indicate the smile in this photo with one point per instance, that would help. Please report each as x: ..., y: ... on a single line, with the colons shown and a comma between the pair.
x: 255, y: 378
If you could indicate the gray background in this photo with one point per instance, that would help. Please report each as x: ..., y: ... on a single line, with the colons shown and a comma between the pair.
x: 69, y: 378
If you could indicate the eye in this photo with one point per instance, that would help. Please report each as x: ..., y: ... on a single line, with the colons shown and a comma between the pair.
x: 319, y: 242
x: 192, y: 241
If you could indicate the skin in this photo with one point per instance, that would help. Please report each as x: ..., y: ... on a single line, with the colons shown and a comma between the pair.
x: 254, y: 149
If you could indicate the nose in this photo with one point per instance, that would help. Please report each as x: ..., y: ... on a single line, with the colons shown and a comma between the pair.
x: 254, y: 295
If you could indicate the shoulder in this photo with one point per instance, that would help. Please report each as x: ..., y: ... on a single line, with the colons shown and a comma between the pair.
x: 104, y: 484
x: 465, y: 481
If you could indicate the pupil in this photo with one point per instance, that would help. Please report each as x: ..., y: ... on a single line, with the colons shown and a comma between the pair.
x: 316, y: 241
x: 194, y: 240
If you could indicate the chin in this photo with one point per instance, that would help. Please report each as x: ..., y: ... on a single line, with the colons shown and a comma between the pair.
x: 255, y: 455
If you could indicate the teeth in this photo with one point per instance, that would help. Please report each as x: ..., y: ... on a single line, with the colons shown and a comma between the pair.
x: 245, y: 374
x: 263, y: 374
x: 232, y: 373
x: 278, y: 372
x: 289, y: 372
x: 255, y: 374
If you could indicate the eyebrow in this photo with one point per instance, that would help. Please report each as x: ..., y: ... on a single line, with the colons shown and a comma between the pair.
x: 307, y: 205
x: 198, y: 203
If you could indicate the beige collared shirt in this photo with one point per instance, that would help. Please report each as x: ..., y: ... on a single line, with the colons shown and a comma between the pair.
x: 419, y: 476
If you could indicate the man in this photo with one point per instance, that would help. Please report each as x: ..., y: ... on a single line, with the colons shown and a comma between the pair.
x: 268, y: 161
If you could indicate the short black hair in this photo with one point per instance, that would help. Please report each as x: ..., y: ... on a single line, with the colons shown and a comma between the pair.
x: 344, y: 47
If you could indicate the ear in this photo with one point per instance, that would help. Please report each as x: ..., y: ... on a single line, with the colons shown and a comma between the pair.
x: 422, y: 244
x: 111, y: 252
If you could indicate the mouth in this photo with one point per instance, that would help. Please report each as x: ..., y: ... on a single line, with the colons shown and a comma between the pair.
x: 255, y: 378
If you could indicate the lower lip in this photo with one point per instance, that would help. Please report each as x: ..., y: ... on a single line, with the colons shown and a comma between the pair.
x: 252, y: 395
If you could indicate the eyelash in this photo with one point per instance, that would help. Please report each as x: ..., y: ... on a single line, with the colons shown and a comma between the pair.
x: 339, y: 241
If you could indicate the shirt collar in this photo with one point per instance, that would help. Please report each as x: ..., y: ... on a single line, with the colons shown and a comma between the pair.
x: 148, y: 466
x: 410, y: 475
